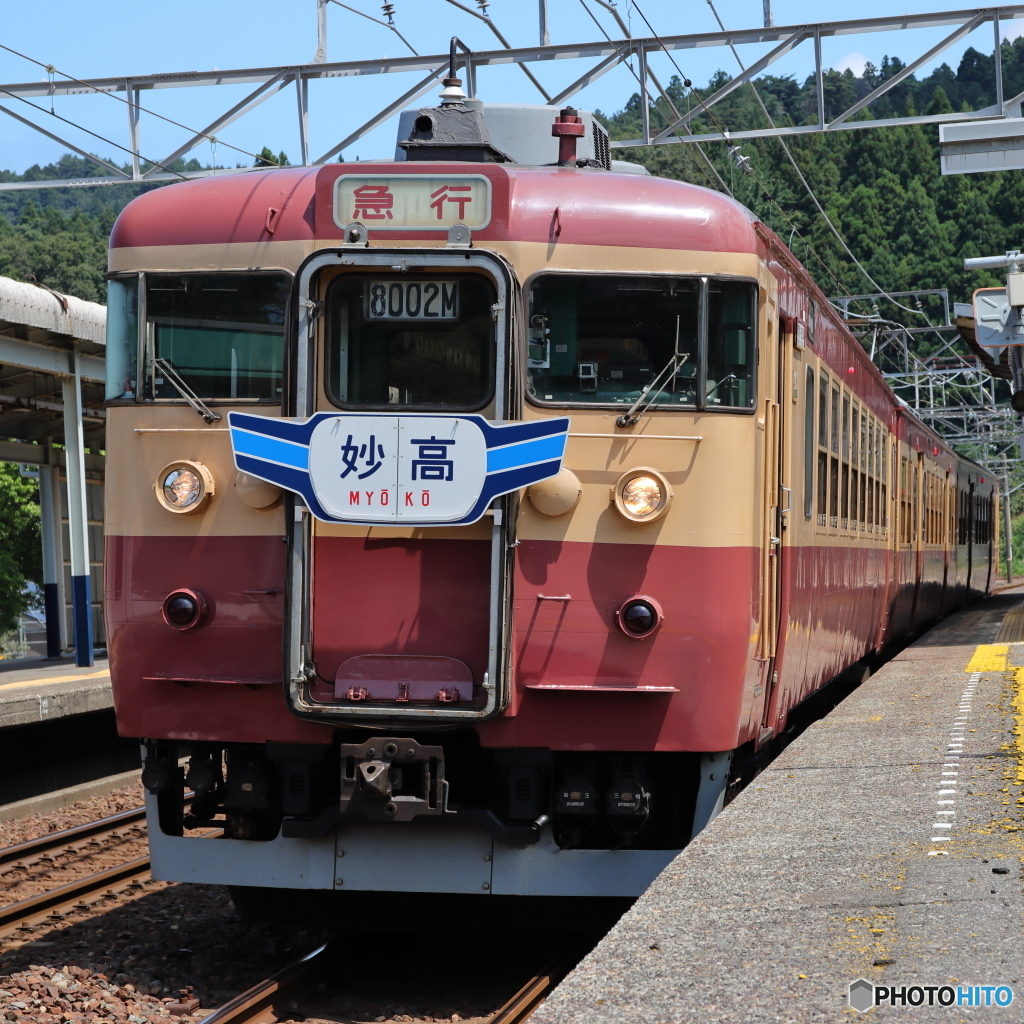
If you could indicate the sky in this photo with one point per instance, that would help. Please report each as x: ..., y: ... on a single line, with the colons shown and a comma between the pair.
x: 125, y: 37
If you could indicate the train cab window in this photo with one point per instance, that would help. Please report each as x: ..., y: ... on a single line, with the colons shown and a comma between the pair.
x: 731, y: 353
x: 222, y: 334
x: 605, y: 340
x: 411, y: 342
x: 122, y: 336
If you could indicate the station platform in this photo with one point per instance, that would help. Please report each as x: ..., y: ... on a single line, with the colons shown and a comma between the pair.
x: 40, y: 691
x: 883, y: 847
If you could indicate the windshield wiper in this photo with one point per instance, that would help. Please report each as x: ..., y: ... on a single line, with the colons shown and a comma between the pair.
x: 185, y: 391
x: 651, y: 392
x: 725, y: 380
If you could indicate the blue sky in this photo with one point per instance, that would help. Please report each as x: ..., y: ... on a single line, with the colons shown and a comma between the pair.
x: 124, y: 37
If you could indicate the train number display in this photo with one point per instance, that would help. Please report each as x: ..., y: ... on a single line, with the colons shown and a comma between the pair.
x: 412, y: 300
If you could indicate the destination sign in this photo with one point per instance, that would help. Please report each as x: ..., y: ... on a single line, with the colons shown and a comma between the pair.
x: 425, y: 202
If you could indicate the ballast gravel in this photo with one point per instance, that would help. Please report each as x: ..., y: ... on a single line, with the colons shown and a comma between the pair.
x: 129, y: 957
x: 33, y: 826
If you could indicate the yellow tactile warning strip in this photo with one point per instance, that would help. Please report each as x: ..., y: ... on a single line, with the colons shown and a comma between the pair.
x: 1012, y: 629
x: 53, y: 679
x: 1018, y: 725
x: 988, y: 658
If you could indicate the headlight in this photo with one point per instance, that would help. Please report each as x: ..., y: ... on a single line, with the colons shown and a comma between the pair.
x: 184, y: 487
x: 642, y: 495
x: 183, y: 609
x: 639, y: 617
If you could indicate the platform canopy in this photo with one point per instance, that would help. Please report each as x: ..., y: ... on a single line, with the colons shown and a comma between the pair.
x: 52, y: 372
x: 41, y: 334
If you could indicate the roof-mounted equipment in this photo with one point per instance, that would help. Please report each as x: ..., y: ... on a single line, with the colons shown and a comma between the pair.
x: 452, y: 131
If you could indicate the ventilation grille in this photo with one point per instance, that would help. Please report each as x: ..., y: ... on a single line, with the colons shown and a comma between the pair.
x: 602, y: 151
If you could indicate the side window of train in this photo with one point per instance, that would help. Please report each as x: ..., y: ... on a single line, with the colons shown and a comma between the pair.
x: 809, y: 445
x: 823, y: 386
x: 833, y: 470
x: 220, y: 334
x: 603, y: 340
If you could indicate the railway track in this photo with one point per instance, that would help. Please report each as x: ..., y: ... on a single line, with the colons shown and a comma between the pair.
x: 280, y: 996
x: 71, y: 840
x: 54, y: 905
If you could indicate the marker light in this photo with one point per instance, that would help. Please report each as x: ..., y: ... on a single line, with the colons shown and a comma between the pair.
x: 184, y: 487
x: 183, y: 609
x: 639, y: 617
x: 642, y: 495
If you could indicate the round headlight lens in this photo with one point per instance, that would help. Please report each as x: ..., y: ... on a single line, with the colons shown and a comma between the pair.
x: 182, y: 488
x: 642, y: 496
x: 181, y: 610
x: 184, y: 609
x: 639, y: 617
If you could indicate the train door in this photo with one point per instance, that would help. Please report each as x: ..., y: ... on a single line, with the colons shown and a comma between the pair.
x: 948, y: 537
x: 891, y: 522
x: 918, y: 502
x: 399, y: 586
x: 777, y: 504
x: 969, y: 536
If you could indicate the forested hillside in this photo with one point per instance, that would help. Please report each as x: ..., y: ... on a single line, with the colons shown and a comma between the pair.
x: 910, y: 226
x: 58, y: 236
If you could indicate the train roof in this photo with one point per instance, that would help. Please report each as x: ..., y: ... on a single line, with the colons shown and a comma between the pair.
x: 582, y: 206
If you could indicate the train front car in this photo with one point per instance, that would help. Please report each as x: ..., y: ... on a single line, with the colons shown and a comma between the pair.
x: 441, y: 494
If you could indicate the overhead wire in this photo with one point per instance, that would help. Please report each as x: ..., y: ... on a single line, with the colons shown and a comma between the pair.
x: 51, y: 70
x: 109, y: 142
x: 725, y: 134
x: 390, y: 23
x: 806, y: 185
x: 707, y: 160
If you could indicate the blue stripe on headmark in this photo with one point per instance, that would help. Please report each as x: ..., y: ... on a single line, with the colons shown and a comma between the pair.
x: 272, y: 449
x: 527, y: 453
x: 495, y: 436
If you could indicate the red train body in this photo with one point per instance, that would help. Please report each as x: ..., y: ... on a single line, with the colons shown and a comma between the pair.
x: 659, y: 597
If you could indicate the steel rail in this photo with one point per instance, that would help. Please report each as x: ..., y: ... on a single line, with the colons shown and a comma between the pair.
x: 73, y: 839
x: 535, y: 991
x: 68, y: 840
x: 262, y: 1002
x: 276, y: 997
x: 81, y: 893
x: 58, y: 902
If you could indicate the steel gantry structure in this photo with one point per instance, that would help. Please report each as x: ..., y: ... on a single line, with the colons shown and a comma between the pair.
x: 609, y: 53
x: 953, y: 391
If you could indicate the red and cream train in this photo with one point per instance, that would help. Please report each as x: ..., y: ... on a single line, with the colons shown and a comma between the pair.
x: 466, y: 515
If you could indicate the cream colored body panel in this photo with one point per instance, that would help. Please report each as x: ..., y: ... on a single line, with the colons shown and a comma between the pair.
x: 146, y: 437
x: 526, y: 257
x: 723, y: 464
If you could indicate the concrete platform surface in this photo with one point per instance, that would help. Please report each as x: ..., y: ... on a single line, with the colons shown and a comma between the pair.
x: 43, y: 690
x: 885, y: 843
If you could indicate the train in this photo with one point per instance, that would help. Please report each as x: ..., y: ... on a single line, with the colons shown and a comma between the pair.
x: 473, y: 515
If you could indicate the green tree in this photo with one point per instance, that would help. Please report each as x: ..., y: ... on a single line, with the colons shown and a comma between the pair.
x: 20, y: 552
x: 266, y: 158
